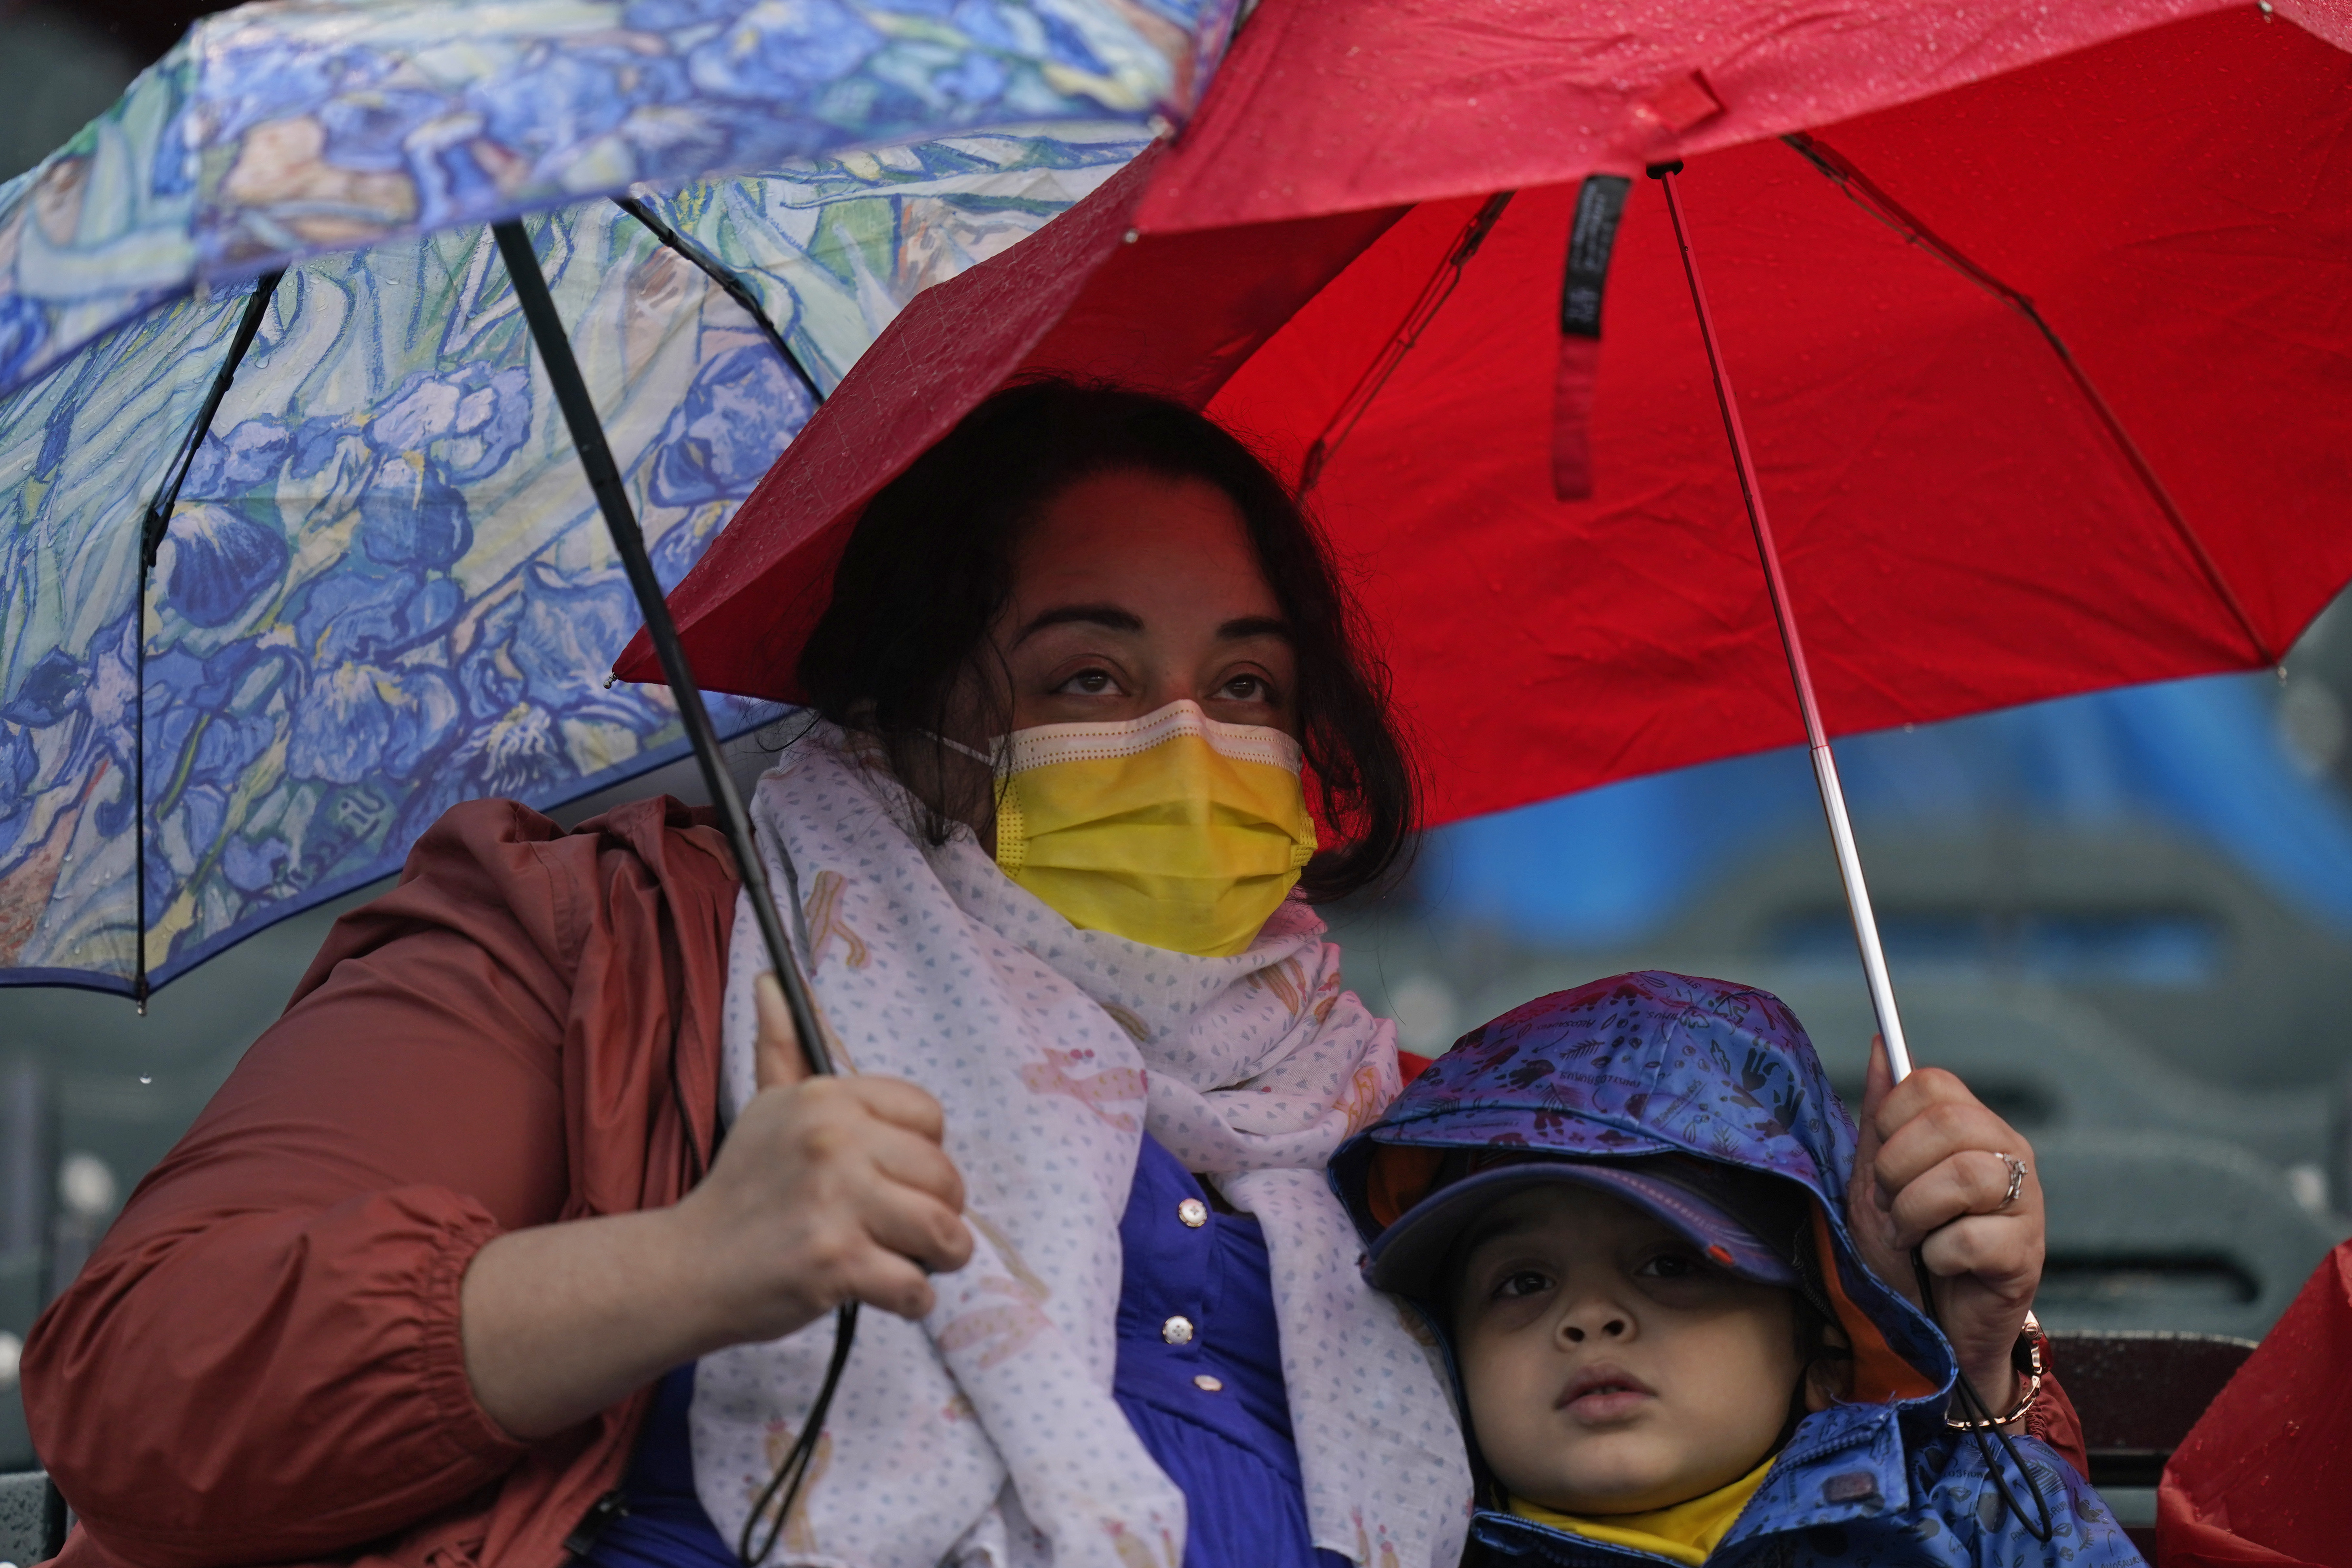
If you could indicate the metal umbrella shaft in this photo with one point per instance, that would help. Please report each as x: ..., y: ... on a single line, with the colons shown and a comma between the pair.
x: 775, y: 1504
x: 1857, y: 893
x: 1849, y: 859
x: 620, y: 520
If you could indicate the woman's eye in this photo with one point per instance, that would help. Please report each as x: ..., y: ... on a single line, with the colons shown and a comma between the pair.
x: 1247, y: 689
x: 1521, y: 1282
x: 1089, y: 683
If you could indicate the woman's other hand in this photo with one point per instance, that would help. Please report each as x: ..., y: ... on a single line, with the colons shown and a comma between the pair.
x: 826, y: 1190
x: 1930, y: 1173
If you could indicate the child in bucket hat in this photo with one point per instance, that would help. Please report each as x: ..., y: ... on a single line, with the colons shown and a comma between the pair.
x: 1621, y: 1209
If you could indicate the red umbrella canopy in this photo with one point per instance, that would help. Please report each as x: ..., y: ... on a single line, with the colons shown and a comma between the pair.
x: 2047, y: 367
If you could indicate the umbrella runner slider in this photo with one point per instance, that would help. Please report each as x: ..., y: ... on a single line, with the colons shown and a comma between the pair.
x: 1849, y: 859
x: 604, y: 479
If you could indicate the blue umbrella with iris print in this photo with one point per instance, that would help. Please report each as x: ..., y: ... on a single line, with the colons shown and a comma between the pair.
x: 355, y: 363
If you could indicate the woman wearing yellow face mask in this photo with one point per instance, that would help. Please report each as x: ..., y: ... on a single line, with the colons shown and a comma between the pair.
x: 1093, y: 627
x: 1090, y: 730
x: 1081, y: 666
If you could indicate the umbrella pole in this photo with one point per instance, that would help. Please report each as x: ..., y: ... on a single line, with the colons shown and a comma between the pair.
x: 621, y: 522
x: 1849, y: 859
x: 1857, y: 891
x: 604, y: 479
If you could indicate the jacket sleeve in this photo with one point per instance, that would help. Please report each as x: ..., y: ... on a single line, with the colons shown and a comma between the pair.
x: 1949, y: 1477
x: 263, y: 1361
x: 2054, y: 1421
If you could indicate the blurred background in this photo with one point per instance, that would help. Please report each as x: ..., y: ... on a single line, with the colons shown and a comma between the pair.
x: 2125, y: 919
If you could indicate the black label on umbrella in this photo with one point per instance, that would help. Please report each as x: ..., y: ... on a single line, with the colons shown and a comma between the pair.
x: 1600, y: 203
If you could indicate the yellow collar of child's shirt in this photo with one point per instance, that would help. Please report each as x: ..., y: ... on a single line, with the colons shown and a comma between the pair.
x: 1686, y: 1532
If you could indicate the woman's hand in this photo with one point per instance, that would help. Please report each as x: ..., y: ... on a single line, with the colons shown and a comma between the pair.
x: 1929, y: 1171
x: 827, y: 1190
x: 824, y: 1191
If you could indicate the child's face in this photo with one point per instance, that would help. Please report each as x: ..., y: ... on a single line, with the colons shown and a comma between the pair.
x: 1609, y: 1368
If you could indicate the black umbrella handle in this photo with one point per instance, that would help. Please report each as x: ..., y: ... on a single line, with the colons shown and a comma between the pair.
x: 621, y: 522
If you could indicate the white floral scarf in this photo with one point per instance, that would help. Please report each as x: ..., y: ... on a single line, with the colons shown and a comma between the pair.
x: 987, y: 1433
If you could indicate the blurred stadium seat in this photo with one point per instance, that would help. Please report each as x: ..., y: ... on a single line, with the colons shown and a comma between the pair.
x: 2155, y: 1230
x: 2168, y: 939
x: 2138, y: 1393
x: 2046, y: 1061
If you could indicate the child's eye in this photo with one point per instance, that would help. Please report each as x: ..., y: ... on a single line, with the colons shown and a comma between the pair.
x: 1522, y: 1282
x: 1671, y: 1265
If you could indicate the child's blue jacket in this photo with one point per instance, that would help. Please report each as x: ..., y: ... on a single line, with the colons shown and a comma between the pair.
x: 1655, y: 1063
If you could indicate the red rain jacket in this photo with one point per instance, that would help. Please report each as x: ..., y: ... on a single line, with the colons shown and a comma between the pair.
x: 262, y: 1363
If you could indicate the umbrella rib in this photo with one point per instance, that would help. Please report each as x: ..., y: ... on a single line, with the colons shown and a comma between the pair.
x: 152, y: 528
x: 1859, y: 189
x: 1423, y: 311
x: 613, y: 499
x: 734, y: 287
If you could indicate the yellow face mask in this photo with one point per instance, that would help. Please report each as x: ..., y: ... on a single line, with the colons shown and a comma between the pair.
x: 1172, y: 829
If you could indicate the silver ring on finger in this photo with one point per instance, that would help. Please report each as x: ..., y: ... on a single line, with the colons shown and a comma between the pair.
x: 2018, y: 1171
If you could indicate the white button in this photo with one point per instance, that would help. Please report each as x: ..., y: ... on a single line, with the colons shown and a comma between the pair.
x: 1177, y: 1330
x: 1193, y: 1212
x: 1208, y: 1384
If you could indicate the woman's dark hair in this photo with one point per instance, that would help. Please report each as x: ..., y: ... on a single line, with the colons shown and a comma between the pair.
x: 929, y: 568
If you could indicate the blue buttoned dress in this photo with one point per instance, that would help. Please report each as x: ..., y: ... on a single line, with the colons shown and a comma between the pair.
x: 1199, y: 1376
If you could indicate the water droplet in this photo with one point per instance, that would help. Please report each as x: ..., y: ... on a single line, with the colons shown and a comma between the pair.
x: 146, y: 1077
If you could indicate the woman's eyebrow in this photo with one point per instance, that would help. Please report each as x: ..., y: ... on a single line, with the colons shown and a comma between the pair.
x: 1108, y: 615
x: 1254, y: 627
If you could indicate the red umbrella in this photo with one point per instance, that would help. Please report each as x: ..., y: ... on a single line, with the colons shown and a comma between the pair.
x: 2047, y: 373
